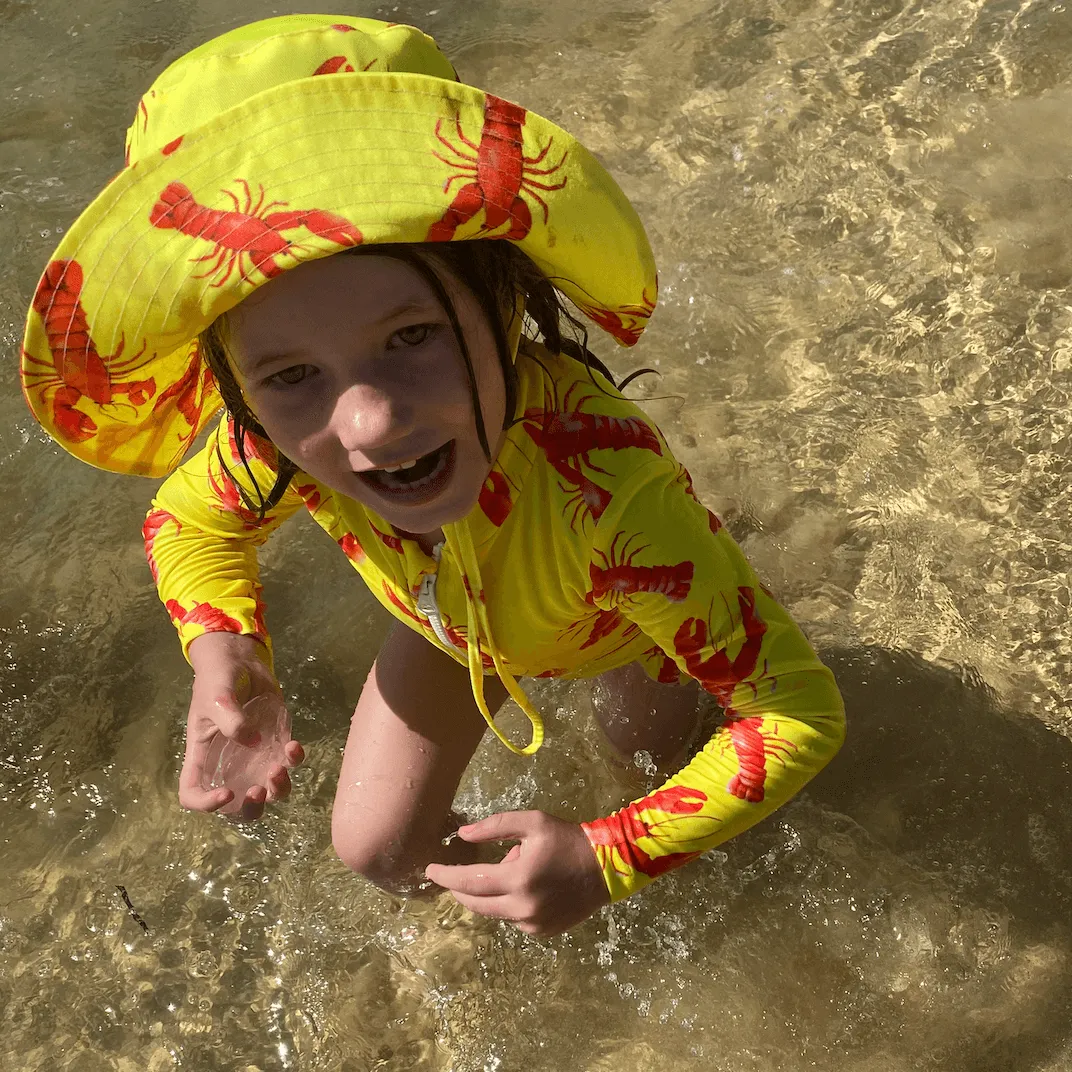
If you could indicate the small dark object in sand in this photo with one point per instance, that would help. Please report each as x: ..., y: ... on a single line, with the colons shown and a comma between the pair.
x: 133, y: 911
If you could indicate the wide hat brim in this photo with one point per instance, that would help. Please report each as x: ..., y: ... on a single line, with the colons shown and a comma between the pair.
x: 300, y: 171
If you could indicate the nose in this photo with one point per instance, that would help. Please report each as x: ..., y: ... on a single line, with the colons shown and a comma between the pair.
x: 369, y: 417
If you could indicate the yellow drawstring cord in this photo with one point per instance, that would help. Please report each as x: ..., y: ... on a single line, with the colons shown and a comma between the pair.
x: 477, y: 621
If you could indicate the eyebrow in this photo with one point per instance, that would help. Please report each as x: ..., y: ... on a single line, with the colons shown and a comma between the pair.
x: 413, y: 305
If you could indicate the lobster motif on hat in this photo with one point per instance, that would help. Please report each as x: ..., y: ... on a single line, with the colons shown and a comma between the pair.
x: 279, y: 142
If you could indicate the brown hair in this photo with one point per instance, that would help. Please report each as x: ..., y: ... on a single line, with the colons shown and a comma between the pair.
x: 494, y: 272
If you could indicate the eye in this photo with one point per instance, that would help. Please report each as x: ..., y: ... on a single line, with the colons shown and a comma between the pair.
x: 290, y: 376
x: 414, y: 334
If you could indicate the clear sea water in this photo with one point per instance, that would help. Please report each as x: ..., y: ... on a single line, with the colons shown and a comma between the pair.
x: 861, y: 216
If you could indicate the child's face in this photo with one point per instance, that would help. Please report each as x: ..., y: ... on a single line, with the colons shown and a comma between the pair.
x: 351, y: 366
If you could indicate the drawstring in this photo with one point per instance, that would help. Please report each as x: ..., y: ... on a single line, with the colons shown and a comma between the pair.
x: 458, y: 535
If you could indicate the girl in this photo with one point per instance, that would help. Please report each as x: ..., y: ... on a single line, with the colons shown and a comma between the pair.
x: 362, y: 257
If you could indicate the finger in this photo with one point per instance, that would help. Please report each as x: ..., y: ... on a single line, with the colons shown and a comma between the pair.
x: 478, y: 880
x: 503, y: 826
x: 252, y: 806
x: 278, y: 784
x: 194, y: 798
x: 233, y: 722
x: 509, y: 910
x: 502, y: 907
x: 294, y: 753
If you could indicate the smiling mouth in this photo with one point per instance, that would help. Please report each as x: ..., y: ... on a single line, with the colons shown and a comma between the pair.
x: 422, y: 479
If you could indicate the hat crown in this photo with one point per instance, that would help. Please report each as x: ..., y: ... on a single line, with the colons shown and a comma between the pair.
x: 235, y: 66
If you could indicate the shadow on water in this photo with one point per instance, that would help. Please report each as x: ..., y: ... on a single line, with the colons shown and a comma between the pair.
x: 938, y: 774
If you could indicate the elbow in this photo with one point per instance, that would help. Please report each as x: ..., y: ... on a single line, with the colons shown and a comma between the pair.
x: 155, y: 520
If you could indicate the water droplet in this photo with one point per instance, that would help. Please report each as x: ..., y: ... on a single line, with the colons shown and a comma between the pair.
x: 203, y: 965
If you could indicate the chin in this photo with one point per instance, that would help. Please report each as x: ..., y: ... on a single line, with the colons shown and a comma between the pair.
x: 426, y: 518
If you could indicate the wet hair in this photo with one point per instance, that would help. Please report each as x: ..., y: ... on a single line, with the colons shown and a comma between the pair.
x: 494, y: 272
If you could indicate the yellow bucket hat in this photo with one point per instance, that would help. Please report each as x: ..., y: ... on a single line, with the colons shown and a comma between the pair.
x: 279, y: 142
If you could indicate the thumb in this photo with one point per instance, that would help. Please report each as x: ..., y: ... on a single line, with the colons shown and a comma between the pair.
x: 232, y: 721
x: 503, y: 826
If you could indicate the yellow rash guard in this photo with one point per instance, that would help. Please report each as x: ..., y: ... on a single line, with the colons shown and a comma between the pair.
x: 586, y: 551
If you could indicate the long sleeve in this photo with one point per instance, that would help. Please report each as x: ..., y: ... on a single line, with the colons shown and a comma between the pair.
x: 201, y: 537
x: 664, y: 562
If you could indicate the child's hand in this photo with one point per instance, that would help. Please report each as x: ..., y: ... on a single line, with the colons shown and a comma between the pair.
x: 229, y: 671
x: 545, y: 884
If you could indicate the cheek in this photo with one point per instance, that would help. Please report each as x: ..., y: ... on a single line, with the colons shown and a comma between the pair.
x: 293, y: 424
x: 439, y: 383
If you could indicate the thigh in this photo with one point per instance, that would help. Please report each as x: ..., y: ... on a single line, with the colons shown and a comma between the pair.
x: 640, y: 714
x: 415, y: 728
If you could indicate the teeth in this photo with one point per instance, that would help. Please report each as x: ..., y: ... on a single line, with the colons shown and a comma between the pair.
x: 401, y: 465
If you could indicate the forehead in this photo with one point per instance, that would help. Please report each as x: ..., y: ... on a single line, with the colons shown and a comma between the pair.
x: 337, y: 293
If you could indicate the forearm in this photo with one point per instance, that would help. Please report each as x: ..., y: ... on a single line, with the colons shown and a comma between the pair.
x: 752, y: 765
x: 201, y: 543
x: 207, y: 583
x: 210, y: 651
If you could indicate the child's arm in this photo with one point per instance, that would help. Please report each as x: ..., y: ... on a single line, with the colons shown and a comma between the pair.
x: 202, y: 535
x: 664, y: 562
x: 201, y: 540
x: 689, y: 587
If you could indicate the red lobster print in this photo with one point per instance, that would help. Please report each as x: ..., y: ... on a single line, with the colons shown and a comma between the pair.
x: 205, y: 614
x: 77, y: 370
x: 397, y: 603
x: 626, y: 827
x: 499, y: 175
x: 458, y: 638
x: 619, y: 578
x: 753, y: 744
x: 229, y: 499
x: 603, y: 624
x: 625, y: 323
x: 669, y: 674
x: 259, y: 611
x: 154, y: 522
x: 353, y: 550
x: 714, y: 523
x: 249, y: 229
x: 310, y: 496
x: 189, y: 391
x: 717, y: 674
x: 720, y: 677
x: 340, y: 65
x: 252, y: 446
x: 495, y: 498
x: 388, y: 539
x: 567, y: 436
x: 335, y: 65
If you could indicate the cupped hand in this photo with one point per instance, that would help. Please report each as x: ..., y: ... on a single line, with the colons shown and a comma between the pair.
x: 548, y: 882
x: 229, y: 671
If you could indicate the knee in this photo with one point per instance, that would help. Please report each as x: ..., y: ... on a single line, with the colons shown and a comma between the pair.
x: 386, y: 861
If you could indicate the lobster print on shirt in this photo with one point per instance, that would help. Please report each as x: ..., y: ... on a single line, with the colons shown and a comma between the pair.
x: 575, y: 581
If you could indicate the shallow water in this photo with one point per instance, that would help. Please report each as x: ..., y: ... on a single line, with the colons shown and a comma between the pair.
x: 860, y: 216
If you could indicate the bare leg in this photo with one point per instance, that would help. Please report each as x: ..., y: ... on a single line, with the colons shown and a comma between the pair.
x: 413, y: 733
x: 639, y: 714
